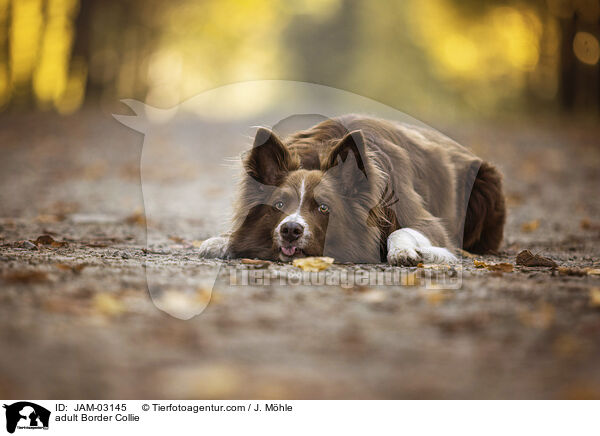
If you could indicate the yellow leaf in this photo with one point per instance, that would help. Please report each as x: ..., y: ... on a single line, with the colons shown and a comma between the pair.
x: 595, y: 297
x: 530, y: 226
x: 108, y: 305
x: 313, y: 264
x: 502, y: 267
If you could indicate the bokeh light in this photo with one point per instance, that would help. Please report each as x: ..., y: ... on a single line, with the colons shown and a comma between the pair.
x: 420, y: 55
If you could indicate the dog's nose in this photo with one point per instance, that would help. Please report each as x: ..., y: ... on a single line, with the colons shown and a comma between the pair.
x: 291, y: 231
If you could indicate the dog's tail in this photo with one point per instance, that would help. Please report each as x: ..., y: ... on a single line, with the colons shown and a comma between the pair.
x: 486, y: 212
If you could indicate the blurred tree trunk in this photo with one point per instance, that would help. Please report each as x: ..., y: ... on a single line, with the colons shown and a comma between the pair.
x: 82, y: 48
x: 568, y: 67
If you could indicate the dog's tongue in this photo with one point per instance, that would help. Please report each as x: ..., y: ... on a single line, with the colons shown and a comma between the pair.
x: 288, y: 251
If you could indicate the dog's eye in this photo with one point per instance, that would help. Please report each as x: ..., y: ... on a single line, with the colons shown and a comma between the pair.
x: 279, y: 205
x: 323, y: 208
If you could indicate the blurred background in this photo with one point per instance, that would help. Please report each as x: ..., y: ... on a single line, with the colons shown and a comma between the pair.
x: 517, y: 81
x: 432, y: 58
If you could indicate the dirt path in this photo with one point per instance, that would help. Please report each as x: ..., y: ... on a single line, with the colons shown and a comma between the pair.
x: 76, y: 320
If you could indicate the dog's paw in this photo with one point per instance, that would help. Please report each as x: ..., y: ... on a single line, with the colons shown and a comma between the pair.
x: 436, y: 255
x: 403, y: 256
x: 214, y: 248
x: 409, y: 247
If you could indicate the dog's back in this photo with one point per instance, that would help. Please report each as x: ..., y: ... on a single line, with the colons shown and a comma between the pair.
x: 451, y: 182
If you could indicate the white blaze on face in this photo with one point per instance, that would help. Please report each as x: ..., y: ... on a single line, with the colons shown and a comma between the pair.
x: 296, y: 217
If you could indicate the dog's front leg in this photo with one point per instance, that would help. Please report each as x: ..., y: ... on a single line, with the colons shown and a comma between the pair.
x: 215, y: 248
x: 409, y: 247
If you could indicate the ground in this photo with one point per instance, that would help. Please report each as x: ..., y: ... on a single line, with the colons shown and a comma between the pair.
x: 77, y: 321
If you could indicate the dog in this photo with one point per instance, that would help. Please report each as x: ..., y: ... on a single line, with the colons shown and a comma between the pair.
x: 363, y: 190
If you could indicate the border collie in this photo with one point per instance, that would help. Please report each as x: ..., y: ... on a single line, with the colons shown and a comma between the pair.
x: 363, y: 190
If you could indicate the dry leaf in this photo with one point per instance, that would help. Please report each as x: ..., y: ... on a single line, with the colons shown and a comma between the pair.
x: 540, y: 318
x: 74, y: 268
x: 572, y: 271
x: 593, y: 271
x: 586, y: 224
x: 49, y: 218
x: 567, y: 345
x: 313, y: 264
x: 107, y: 304
x: 137, y: 218
x: 25, y: 277
x: 177, y: 239
x: 527, y: 258
x: 530, y: 226
x: 256, y: 262
x: 434, y: 297
x: 595, y: 297
x: 48, y: 240
x: 501, y: 267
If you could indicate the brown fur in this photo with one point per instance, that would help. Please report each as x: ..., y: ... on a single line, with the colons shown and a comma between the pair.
x: 376, y: 176
x: 486, y: 212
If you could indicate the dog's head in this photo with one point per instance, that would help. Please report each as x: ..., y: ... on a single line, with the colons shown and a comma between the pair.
x: 287, y: 211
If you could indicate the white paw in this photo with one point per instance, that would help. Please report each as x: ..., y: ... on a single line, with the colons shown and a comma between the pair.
x: 436, y: 255
x: 410, y: 247
x: 214, y: 248
x: 403, y: 256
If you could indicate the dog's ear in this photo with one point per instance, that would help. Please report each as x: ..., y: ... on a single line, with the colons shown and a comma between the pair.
x: 347, y: 161
x: 269, y: 160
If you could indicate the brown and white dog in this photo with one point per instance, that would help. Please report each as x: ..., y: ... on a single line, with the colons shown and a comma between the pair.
x: 363, y: 190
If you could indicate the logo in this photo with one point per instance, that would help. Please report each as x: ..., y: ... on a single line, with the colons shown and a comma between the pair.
x: 26, y: 415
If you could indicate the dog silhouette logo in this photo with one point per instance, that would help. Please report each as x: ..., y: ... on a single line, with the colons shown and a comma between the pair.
x: 26, y: 415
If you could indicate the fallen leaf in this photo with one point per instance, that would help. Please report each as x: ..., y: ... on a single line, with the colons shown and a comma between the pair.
x: 49, y: 218
x: 25, y: 277
x: 94, y: 244
x: 593, y: 271
x: 107, y: 304
x: 137, y: 218
x: 527, y: 258
x: 48, y: 240
x: 586, y: 224
x: 313, y: 264
x: 572, y: 271
x: 568, y: 346
x: 74, y: 268
x: 595, y: 297
x: 530, y: 226
x: 65, y: 305
x: 434, y: 297
x: 177, y: 239
x: 256, y: 262
x: 502, y: 267
x: 540, y: 318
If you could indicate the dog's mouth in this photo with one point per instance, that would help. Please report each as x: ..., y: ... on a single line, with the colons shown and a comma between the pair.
x: 290, y: 252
